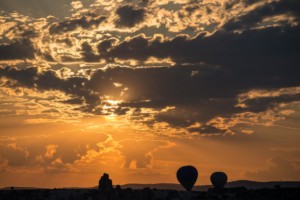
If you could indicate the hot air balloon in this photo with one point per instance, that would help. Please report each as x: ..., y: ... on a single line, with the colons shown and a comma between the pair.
x: 187, y: 176
x: 218, y: 179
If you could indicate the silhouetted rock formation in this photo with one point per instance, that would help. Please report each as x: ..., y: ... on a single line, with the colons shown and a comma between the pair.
x: 105, y: 184
x: 105, y: 187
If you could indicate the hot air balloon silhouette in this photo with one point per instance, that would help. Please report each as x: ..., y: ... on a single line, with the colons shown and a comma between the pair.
x: 218, y: 179
x: 187, y: 176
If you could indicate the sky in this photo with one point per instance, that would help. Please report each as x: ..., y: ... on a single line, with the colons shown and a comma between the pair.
x: 139, y: 88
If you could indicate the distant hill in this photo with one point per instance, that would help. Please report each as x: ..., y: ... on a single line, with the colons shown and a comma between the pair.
x: 173, y: 186
x: 159, y: 186
x: 233, y: 184
x: 258, y: 185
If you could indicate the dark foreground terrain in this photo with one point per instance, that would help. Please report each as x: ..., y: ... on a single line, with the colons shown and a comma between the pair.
x: 150, y: 194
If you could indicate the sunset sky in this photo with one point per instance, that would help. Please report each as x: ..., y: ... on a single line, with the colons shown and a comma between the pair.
x: 139, y: 88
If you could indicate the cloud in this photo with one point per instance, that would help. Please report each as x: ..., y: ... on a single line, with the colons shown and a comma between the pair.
x: 222, y: 48
x: 88, y: 53
x: 51, y: 150
x: 48, y: 80
x: 204, y: 85
x: 129, y: 16
x: 229, y: 4
x: 277, y: 166
x: 55, y: 46
x: 76, y: 5
x: 260, y: 104
x: 87, y: 21
x: 213, y: 97
x: 257, y: 15
x: 22, y: 49
x: 15, y: 155
x: 145, y: 156
x: 50, y: 154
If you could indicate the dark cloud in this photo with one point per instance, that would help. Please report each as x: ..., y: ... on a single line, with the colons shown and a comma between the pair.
x: 129, y: 16
x: 105, y: 45
x: 24, y: 77
x: 250, y: 49
x: 88, y: 54
x: 260, y: 104
x: 211, y: 93
x: 48, y: 80
x: 250, y: 2
x: 17, y: 50
x: 235, y: 63
x: 85, y: 22
x: 207, y: 129
x: 257, y: 15
x: 75, y: 101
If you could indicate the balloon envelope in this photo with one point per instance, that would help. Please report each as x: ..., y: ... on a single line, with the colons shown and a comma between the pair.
x: 218, y: 179
x: 187, y: 176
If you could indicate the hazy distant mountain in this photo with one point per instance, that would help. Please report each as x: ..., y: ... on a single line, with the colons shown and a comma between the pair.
x: 159, y: 186
x: 258, y: 185
x: 241, y: 183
